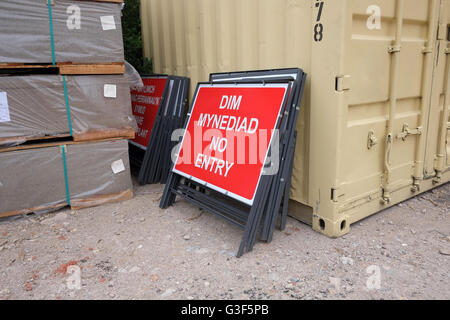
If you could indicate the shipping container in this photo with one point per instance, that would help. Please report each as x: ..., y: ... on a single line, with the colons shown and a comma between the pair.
x: 374, y: 126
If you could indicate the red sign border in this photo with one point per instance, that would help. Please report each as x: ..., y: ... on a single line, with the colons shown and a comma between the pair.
x: 156, y: 76
x: 228, y: 193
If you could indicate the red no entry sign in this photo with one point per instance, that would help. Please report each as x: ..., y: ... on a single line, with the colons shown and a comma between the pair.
x: 228, y: 136
x: 145, y: 102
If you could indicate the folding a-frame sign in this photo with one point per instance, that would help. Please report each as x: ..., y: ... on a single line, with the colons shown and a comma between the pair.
x: 159, y: 108
x: 145, y: 103
x: 235, y: 159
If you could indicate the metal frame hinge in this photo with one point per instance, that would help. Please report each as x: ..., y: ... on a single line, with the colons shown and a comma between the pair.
x: 406, y: 131
x: 343, y: 83
x: 442, y: 31
x: 426, y: 50
x: 371, y: 140
x: 393, y: 49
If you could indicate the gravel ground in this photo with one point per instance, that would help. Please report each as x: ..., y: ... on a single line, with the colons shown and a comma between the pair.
x: 134, y: 250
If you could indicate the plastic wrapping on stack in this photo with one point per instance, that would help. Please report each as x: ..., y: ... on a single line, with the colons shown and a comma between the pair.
x: 79, y: 175
x: 34, y: 107
x: 78, y: 31
x: 63, y: 84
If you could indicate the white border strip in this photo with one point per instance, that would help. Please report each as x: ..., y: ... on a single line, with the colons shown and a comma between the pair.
x: 294, y: 75
x: 285, y: 86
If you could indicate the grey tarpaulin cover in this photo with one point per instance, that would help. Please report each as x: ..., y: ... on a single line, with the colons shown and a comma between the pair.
x: 84, y: 31
x: 34, y: 179
x: 35, y: 105
x: 133, y: 76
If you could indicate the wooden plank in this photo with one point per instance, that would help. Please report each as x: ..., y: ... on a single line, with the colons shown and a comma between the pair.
x: 68, y: 68
x: 77, y: 204
x: 113, y: 1
x: 110, y: 68
x: 26, y: 211
x: 98, y: 200
x: 22, y: 139
x: 91, y: 135
x: 53, y: 144
x: 4, y: 65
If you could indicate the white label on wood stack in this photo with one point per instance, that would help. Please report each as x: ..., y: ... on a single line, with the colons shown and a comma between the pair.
x: 118, y: 166
x: 110, y: 91
x: 108, y: 23
x: 4, y: 108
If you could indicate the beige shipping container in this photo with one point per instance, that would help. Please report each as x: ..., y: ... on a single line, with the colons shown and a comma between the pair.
x: 374, y: 126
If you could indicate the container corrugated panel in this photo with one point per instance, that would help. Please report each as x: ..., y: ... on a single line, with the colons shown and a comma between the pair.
x: 374, y: 125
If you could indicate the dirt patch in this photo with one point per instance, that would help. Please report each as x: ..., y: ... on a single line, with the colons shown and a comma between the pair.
x: 134, y: 250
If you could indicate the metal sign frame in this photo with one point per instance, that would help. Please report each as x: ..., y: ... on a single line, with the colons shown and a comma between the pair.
x: 272, y: 194
x: 153, y: 161
x: 283, y: 184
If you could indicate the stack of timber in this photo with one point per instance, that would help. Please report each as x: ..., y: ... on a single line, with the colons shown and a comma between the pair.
x: 55, y: 175
x: 73, y: 37
x: 65, y: 107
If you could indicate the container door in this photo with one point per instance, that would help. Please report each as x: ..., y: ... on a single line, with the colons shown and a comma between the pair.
x: 437, y: 144
x: 389, y: 65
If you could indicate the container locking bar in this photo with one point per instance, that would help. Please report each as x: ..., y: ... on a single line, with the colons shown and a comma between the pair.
x: 406, y: 131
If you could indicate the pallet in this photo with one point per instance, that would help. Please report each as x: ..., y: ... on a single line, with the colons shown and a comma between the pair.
x: 124, y: 133
x: 77, y: 204
x: 113, y: 1
x: 98, y: 200
x: 65, y: 68
x: 22, y: 139
x: 30, y: 142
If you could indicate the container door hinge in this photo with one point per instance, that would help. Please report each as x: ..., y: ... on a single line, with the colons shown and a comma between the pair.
x: 371, y: 140
x: 342, y: 83
x: 406, y: 131
x: 442, y: 31
x: 426, y: 50
x: 394, y: 49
